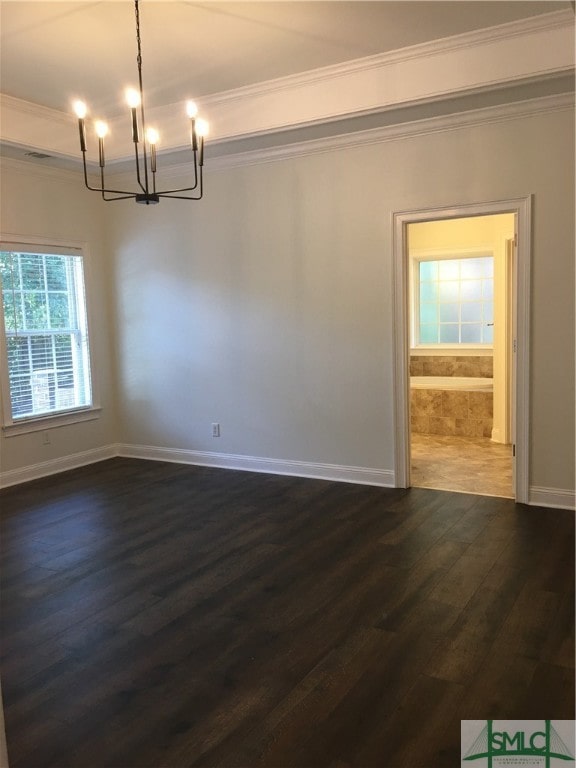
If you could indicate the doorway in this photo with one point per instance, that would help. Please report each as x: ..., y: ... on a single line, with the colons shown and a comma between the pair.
x: 460, y: 399
x: 461, y: 280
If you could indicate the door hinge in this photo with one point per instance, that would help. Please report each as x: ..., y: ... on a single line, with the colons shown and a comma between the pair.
x: 513, y: 450
x: 516, y: 239
x: 514, y: 345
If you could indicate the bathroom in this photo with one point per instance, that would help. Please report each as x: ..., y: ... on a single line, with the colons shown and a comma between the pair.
x: 461, y: 364
x: 452, y: 395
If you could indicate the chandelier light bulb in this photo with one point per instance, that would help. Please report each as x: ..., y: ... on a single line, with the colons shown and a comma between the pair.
x: 80, y: 109
x: 132, y: 98
x: 101, y: 128
x: 191, y: 109
x: 201, y: 127
x: 152, y: 135
x: 202, y: 131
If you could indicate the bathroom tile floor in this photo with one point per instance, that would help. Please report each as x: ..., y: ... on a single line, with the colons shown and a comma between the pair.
x: 467, y: 464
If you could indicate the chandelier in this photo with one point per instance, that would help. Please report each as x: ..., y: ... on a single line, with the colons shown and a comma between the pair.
x: 145, y: 140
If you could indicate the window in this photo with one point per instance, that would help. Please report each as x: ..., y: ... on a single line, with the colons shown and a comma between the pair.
x: 45, y: 333
x: 454, y: 301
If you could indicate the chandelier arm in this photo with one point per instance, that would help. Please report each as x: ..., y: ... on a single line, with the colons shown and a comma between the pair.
x: 101, y: 188
x: 197, y: 178
x: 138, y: 178
x: 122, y: 192
x: 92, y: 189
x: 180, y: 197
x: 173, y: 191
x: 144, y: 154
x: 183, y: 189
x: 169, y: 194
x: 127, y: 196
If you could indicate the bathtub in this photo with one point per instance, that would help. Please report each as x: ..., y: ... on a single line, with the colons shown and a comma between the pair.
x: 462, y: 383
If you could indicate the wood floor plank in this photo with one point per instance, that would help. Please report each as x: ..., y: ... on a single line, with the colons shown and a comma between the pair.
x: 156, y: 614
x: 470, y: 571
x: 295, y: 719
x: 527, y: 626
x: 425, y: 710
x: 500, y: 685
x: 550, y: 685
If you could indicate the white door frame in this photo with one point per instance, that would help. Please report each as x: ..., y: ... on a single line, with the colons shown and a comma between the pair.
x: 522, y: 208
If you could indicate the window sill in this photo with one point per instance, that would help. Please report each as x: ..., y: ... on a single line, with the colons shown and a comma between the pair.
x: 50, y: 422
x: 452, y: 351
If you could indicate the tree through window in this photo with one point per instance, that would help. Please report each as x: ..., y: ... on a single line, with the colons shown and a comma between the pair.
x: 46, y: 334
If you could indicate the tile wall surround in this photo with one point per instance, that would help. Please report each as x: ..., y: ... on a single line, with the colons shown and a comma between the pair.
x: 451, y: 412
x: 451, y: 365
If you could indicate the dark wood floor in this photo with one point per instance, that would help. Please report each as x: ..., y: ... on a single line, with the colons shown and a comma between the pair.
x: 164, y: 615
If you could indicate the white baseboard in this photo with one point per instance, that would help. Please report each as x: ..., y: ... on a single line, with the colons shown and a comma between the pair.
x: 498, y: 436
x: 54, y: 466
x: 557, y: 498
x: 337, y: 472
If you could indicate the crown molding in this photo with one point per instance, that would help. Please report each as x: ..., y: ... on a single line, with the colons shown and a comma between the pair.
x: 455, y: 121
x: 41, y: 171
x: 535, y: 24
x: 34, y: 110
x: 535, y: 48
x: 33, y: 126
x: 530, y: 48
x: 441, y: 124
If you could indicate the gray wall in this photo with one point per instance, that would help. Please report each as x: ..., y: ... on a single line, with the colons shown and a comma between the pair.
x: 38, y: 203
x: 267, y: 307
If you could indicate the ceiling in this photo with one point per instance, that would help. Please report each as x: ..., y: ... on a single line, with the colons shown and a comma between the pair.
x: 53, y: 52
x: 267, y: 74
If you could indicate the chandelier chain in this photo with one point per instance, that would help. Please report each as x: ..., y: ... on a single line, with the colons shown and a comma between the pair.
x: 138, y: 41
x: 141, y: 88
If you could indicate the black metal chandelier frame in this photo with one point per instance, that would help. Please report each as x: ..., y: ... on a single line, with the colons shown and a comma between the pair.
x: 146, y: 164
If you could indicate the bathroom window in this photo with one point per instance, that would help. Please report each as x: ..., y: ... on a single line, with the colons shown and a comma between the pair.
x: 453, y: 301
x: 45, y: 340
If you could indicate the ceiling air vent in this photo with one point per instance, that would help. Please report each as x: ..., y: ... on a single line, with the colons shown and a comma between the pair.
x: 37, y: 155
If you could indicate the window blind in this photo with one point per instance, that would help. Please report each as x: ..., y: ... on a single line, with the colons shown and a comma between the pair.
x: 45, y: 328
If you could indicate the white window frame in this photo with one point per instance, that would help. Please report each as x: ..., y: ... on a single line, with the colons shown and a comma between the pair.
x: 12, y: 427
x: 415, y: 258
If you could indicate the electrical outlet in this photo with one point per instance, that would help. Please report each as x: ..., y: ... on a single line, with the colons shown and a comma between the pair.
x: 215, y: 429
